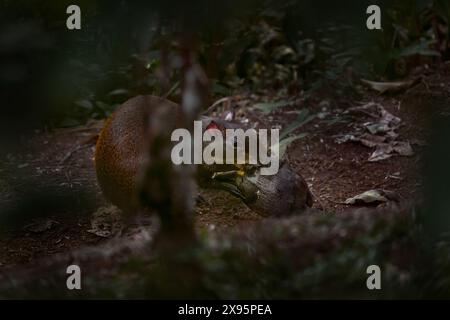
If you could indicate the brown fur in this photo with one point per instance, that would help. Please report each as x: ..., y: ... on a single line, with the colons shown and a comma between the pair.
x: 121, y: 149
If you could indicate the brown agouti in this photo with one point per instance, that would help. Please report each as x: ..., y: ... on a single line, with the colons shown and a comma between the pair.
x: 121, y: 151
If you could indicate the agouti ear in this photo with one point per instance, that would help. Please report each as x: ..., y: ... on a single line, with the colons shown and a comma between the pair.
x: 212, y: 125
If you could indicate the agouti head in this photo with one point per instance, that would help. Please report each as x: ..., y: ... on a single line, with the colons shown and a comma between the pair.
x: 284, y: 193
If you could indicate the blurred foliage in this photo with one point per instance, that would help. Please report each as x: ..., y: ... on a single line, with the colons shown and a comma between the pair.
x: 55, y: 77
x: 288, y: 47
x: 313, y: 256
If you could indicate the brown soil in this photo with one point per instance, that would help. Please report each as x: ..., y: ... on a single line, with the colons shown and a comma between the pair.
x: 333, y: 171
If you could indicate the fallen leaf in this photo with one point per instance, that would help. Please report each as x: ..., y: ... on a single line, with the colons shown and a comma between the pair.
x: 387, y: 150
x: 119, y: 92
x: 375, y: 128
x: 283, y: 144
x: 381, y: 136
x: 373, y: 196
x: 302, y: 118
x: 387, y: 117
x: 403, y: 148
x: 267, y: 107
x: 370, y: 140
x: 86, y: 104
x: 389, y: 87
x: 41, y: 225
x: 106, y: 221
x: 382, y: 152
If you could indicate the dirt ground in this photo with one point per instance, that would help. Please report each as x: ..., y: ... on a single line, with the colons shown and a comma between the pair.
x: 334, y: 171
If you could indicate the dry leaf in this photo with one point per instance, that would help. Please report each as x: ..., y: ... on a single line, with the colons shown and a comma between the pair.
x: 387, y: 150
x: 373, y: 196
x: 389, y: 87
x: 382, y: 152
x: 106, y: 221
x: 41, y: 225
x: 381, y: 136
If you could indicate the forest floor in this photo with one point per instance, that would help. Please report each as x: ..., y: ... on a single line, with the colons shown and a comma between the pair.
x: 334, y: 170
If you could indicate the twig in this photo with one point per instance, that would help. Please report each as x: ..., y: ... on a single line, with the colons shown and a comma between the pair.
x: 215, y: 104
x: 171, y: 90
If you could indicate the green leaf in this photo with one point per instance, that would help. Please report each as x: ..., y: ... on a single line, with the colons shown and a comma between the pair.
x: 284, y: 143
x: 267, y: 107
x: 302, y: 118
x: 220, y: 89
x: 422, y: 48
x: 119, y: 92
x: 172, y: 89
x: 86, y: 104
x: 69, y: 122
x: 103, y: 106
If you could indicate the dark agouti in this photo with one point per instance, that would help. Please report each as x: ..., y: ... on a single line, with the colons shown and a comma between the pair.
x: 121, y: 151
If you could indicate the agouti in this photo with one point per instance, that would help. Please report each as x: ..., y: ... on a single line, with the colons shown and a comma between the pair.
x: 121, y: 151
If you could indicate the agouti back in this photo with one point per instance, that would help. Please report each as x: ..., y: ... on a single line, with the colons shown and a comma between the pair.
x: 121, y: 149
